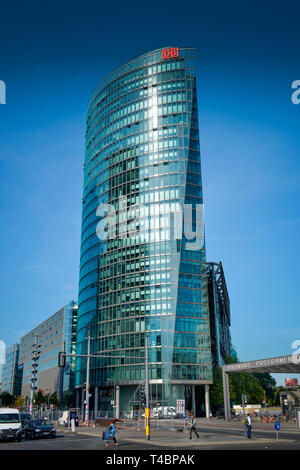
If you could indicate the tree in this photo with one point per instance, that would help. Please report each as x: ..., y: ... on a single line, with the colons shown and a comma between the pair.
x: 39, y: 398
x: 7, y: 399
x: 216, y: 390
x: 265, y: 380
x: 20, y: 402
x: 256, y: 393
x: 276, y: 399
x: 268, y: 383
x: 54, y: 399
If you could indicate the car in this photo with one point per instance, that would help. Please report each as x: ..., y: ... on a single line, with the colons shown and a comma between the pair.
x: 26, y: 420
x: 40, y: 428
x: 10, y: 424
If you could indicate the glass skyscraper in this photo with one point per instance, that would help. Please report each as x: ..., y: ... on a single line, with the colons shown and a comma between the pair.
x: 143, y: 262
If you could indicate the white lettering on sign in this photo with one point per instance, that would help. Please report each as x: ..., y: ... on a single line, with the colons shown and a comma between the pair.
x: 2, y: 92
x: 296, y: 94
x: 293, y: 359
x: 2, y: 353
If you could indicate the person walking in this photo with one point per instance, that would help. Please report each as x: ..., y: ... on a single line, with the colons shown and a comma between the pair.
x: 193, y: 426
x: 110, y: 434
x: 249, y: 426
x: 184, y: 420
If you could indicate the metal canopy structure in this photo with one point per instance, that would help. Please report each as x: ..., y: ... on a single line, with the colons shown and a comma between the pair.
x: 274, y: 365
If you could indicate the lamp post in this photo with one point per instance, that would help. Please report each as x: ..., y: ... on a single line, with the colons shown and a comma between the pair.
x: 48, y: 396
x: 35, y: 356
x: 147, y: 410
x: 87, y: 384
x: 114, y: 400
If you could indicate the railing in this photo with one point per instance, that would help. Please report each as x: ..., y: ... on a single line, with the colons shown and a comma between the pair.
x: 135, y: 420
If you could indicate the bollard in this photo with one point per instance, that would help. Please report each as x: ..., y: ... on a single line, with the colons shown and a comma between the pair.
x: 73, y: 425
x: 172, y: 423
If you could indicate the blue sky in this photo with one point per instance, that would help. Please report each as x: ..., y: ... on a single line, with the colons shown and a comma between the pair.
x: 53, y: 54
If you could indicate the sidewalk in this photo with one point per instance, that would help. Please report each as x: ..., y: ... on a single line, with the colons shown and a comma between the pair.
x: 235, y: 436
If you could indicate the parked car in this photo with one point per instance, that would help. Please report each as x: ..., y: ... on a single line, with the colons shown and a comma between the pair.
x: 40, y: 428
x: 10, y: 424
x: 26, y: 420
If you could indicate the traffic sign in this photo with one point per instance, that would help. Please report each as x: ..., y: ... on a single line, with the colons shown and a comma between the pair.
x: 277, y: 428
x: 180, y: 406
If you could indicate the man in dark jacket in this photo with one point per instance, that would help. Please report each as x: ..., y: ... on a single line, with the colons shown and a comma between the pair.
x: 193, y: 426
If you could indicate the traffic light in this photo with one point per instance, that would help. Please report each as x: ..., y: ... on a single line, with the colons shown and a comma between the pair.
x: 142, y: 395
x: 245, y: 399
x: 61, y: 359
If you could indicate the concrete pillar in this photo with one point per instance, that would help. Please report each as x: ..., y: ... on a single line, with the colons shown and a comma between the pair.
x: 207, y: 404
x: 117, y: 404
x: 96, y: 401
x: 82, y: 401
x: 193, y: 400
x: 77, y: 398
x: 226, y: 394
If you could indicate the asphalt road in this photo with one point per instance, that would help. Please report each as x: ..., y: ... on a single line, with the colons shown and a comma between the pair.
x: 68, y: 441
x: 166, y: 435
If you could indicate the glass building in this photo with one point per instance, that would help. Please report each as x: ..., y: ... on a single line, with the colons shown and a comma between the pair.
x: 143, y: 262
x: 12, y: 372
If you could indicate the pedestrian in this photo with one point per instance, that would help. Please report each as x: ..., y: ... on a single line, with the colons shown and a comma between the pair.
x: 193, y: 426
x: 110, y: 434
x: 249, y: 425
x: 185, y: 420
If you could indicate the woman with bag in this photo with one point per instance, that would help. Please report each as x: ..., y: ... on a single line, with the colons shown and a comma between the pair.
x: 110, y: 434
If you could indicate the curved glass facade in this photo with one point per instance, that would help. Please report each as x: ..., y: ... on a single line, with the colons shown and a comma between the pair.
x: 137, y: 276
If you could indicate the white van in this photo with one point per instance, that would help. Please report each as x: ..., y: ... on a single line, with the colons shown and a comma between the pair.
x: 64, y: 419
x: 10, y: 424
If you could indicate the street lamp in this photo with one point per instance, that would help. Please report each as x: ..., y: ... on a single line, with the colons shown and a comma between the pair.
x: 114, y: 400
x: 35, y: 357
x: 147, y: 409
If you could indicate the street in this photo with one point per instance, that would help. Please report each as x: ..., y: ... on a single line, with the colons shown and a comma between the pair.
x: 214, y: 435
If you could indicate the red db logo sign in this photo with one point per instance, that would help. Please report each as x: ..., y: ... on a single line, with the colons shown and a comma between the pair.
x: 169, y: 53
